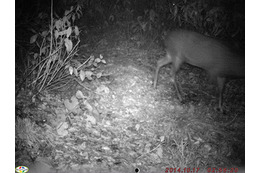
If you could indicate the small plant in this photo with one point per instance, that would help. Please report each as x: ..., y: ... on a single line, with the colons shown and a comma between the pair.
x: 54, y: 49
x: 86, y: 69
x: 146, y: 23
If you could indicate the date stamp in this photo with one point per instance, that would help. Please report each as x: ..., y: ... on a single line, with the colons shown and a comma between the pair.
x: 225, y: 170
x: 181, y: 170
x: 208, y: 170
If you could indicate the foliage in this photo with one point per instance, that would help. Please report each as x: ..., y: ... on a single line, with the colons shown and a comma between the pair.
x: 86, y: 69
x: 146, y: 23
x: 100, y: 12
x: 221, y: 19
x: 54, y: 48
x: 212, y: 18
x: 215, y: 18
